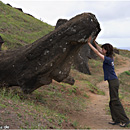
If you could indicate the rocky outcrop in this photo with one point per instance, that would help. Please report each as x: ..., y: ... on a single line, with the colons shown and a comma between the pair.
x: 70, y: 80
x: 81, y: 61
x: 49, y: 57
x: 20, y: 9
x: 116, y: 51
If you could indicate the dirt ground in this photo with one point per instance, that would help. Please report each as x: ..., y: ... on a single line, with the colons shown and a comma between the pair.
x: 95, y: 116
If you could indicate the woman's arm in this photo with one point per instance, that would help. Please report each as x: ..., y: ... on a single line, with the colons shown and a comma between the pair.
x: 94, y: 49
x: 98, y: 47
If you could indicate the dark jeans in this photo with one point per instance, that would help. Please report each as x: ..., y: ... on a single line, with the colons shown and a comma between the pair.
x: 117, y: 111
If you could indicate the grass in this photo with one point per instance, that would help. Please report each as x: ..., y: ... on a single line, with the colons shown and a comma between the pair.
x: 92, y: 88
x: 125, y: 85
x: 124, y: 53
x: 26, y: 29
x: 28, y: 113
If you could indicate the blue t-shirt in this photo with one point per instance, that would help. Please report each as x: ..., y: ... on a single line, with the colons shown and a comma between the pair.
x: 108, y: 68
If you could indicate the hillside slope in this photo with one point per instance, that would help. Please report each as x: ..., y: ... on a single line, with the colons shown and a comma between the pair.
x: 18, y: 29
x: 97, y: 114
x: 62, y: 106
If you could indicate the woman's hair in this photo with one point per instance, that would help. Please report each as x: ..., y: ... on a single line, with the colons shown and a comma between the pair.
x: 109, y: 48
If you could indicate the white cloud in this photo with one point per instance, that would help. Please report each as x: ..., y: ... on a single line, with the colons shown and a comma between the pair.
x: 116, y: 28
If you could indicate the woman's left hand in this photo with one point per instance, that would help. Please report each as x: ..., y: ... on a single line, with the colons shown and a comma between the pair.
x: 89, y: 39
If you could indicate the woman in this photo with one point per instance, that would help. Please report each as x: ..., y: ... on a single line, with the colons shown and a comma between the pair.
x: 105, y: 52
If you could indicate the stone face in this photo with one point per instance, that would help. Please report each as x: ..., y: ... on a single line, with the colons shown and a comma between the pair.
x: 49, y: 57
x: 85, y: 53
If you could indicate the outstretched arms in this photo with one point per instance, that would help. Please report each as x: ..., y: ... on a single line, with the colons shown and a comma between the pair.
x: 99, y: 51
x: 98, y: 47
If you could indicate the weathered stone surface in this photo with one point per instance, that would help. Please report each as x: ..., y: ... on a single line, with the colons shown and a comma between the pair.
x: 50, y: 57
x: 70, y: 80
x: 116, y: 51
x: 60, y: 22
x: 85, y: 53
x: 1, y: 42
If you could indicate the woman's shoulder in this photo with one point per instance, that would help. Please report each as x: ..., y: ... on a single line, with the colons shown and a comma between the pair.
x: 108, y: 59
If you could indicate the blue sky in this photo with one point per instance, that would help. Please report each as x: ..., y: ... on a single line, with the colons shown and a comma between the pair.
x: 113, y: 15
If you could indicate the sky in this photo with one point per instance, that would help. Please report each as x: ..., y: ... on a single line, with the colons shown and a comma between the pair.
x: 113, y: 15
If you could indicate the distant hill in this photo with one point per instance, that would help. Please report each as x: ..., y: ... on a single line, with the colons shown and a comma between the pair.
x: 124, y: 48
x: 18, y: 29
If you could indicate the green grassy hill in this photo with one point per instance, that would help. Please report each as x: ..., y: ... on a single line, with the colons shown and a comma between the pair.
x: 18, y: 29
